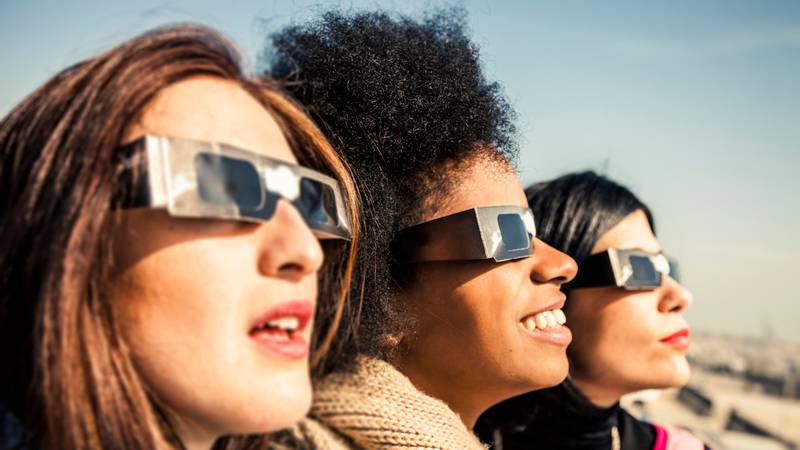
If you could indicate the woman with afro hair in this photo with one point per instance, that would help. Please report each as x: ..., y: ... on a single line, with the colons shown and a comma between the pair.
x: 459, y: 303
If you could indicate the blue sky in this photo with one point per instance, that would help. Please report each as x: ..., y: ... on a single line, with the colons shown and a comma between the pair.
x: 692, y: 104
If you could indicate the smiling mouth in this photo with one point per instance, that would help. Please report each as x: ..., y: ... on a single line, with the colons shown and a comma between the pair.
x: 545, y: 320
x: 548, y: 325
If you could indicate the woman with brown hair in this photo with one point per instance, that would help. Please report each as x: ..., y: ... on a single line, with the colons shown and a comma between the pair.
x: 159, y: 260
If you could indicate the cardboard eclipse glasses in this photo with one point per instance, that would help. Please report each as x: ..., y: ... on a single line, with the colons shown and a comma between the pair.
x: 500, y: 233
x: 629, y: 269
x: 504, y: 233
x: 197, y: 179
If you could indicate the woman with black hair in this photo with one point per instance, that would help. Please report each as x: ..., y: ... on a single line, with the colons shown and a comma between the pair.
x: 460, y: 302
x: 625, y: 311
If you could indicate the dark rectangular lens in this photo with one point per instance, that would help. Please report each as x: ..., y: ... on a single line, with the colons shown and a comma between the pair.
x: 644, y: 272
x: 222, y: 180
x: 513, y: 232
x: 317, y: 203
x: 674, y: 273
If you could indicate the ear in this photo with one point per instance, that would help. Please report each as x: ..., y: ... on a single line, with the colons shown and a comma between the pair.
x: 392, y: 340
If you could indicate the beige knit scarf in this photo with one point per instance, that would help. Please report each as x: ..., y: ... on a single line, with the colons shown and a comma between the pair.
x: 375, y: 408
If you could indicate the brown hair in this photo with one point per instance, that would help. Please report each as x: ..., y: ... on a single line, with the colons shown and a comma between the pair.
x: 67, y: 371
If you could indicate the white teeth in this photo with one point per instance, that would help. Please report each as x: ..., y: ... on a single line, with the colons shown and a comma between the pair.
x: 285, y: 323
x: 541, y: 321
x: 551, y: 319
x: 561, y: 318
x: 545, y: 320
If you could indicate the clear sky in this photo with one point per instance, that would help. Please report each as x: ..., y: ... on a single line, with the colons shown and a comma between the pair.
x: 693, y: 105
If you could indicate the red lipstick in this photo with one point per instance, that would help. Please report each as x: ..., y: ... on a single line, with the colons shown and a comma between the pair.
x: 680, y: 339
x: 280, y: 330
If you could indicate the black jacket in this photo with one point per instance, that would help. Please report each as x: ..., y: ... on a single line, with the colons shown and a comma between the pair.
x: 561, y: 418
x: 13, y: 435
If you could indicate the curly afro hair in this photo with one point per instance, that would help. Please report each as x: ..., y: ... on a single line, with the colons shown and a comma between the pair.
x: 406, y: 103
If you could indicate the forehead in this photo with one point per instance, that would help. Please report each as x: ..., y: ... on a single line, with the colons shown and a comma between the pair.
x: 632, y: 232
x: 483, y: 182
x: 212, y: 109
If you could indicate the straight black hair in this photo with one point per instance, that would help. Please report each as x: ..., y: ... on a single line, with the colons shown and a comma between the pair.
x: 573, y: 211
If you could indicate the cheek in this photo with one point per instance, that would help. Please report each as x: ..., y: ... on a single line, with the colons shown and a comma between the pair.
x: 474, y: 325
x: 177, y: 320
x: 484, y: 307
x: 443, y: 320
x: 512, y: 361
x: 172, y: 295
x: 464, y: 324
x: 618, y: 342
x: 609, y: 330
x: 184, y: 312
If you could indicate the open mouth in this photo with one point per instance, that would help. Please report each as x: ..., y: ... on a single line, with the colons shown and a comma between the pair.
x: 544, y: 320
x: 281, y: 329
x: 548, y: 325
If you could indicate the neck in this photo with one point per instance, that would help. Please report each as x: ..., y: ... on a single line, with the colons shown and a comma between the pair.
x: 198, y: 444
x: 565, y: 418
x: 468, y: 407
x: 600, y: 395
x: 195, y: 437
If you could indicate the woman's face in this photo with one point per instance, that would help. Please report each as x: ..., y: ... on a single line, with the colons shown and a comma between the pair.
x: 619, y: 337
x: 471, y: 347
x: 189, y: 295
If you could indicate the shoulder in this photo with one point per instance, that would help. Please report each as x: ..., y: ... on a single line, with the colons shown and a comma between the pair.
x: 635, y: 433
x: 376, y: 406
x: 641, y: 434
x: 310, y: 434
x: 674, y: 438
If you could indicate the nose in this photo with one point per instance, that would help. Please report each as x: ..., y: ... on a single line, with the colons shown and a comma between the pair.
x: 288, y: 248
x: 551, y: 265
x: 675, y: 297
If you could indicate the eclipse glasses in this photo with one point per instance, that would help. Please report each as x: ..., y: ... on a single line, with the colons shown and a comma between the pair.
x: 629, y: 269
x: 500, y: 233
x: 197, y: 179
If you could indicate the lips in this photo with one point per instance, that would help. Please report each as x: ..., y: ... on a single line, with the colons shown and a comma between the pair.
x: 679, y: 339
x: 547, y: 324
x: 560, y: 335
x: 558, y: 303
x: 280, y: 330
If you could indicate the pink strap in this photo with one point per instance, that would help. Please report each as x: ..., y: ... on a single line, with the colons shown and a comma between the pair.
x: 672, y: 438
x: 661, y: 437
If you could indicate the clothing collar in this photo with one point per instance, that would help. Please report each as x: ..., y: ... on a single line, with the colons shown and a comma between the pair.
x: 583, y: 424
x: 378, y: 407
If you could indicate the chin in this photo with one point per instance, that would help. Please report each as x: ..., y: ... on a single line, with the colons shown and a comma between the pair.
x: 547, y: 375
x: 673, y: 375
x: 271, y: 417
x: 280, y: 404
x: 682, y: 372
